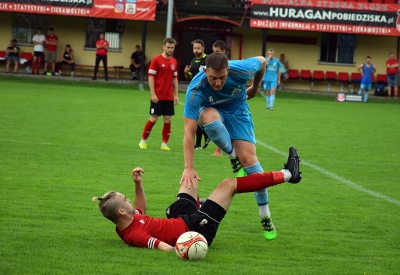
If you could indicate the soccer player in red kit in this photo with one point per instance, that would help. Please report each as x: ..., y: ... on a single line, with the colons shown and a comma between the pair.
x: 163, y: 83
x: 101, y: 55
x: 135, y: 228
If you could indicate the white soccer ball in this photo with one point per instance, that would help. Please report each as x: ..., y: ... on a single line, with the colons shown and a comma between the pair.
x: 191, y: 246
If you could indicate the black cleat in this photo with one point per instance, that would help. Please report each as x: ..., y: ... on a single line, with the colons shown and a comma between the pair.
x: 292, y: 165
x: 206, y: 142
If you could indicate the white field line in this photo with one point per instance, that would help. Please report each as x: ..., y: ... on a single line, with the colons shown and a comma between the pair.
x: 334, y: 176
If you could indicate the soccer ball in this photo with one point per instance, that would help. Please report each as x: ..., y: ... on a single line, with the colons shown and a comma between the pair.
x: 191, y: 246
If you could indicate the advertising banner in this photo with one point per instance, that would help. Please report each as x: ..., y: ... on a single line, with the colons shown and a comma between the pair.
x: 327, y: 16
x: 115, y: 9
x: 342, y: 97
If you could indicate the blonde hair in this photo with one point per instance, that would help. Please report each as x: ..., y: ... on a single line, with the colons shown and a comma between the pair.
x: 109, y: 205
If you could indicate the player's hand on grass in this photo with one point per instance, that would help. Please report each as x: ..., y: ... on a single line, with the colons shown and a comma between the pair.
x: 189, y: 178
x: 137, y: 174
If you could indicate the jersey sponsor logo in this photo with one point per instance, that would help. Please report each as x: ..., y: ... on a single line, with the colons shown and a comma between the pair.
x: 173, y: 67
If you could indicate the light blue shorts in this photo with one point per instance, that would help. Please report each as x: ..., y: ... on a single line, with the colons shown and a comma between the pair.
x: 392, y: 79
x: 364, y: 86
x: 239, y: 123
x: 268, y: 85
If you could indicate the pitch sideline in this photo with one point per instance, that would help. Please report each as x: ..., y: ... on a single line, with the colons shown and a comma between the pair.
x: 334, y: 176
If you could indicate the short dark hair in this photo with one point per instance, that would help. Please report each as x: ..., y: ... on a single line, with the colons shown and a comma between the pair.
x: 137, y: 46
x: 169, y: 40
x: 39, y: 28
x: 198, y: 41
x: 51, y: 29
x: 219, y: 44
x: 217, y: 61
x: 68, y: 46
x: 368, y: 57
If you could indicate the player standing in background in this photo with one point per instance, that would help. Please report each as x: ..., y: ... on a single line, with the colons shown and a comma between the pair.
x: 271, y: 79
x: 367, y: 70
x: 135, y: 228
x: 38, y: 42
x: 216, y: 100
x: 219, y: 46
x: 392, y: 71
x: 163, y: 83
x: 50, y: 53
x: 101, y: 55
x: 197, y: 64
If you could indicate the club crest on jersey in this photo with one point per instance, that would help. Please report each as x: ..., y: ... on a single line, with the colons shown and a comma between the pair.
x: 236, y: 90
x: 173, y: 67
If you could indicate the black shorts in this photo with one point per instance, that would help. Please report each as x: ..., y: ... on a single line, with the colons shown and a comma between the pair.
x: 204, y: 220
x: 162, y: 108
x: 38, y: 54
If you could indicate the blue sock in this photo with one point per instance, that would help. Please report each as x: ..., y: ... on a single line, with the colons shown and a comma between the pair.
x: 268, y: 101
x: 272, y: 100
x: 218, y: 133
x: 365, y: 96
x: 262, y: 195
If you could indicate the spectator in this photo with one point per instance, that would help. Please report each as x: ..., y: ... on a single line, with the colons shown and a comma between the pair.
x: 163, y: 83
x: 136, y: 62
x: 271, y: 79
x: 367, y: 70
x: 12, y: 55
x: 101, y: 55
x: 392, y: 71
x: 67, y: 58
x: 197, y: 64
x: 38, y: 42
x: 284, y: 68
x: 50, y: 52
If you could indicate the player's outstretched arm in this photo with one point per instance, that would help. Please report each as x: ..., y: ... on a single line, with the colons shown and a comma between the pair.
x: 140, y: 197
x: 166, y: 247
x: 189, y: 176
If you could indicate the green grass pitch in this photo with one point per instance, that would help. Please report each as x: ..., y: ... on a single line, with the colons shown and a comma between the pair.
x: 63, y: 142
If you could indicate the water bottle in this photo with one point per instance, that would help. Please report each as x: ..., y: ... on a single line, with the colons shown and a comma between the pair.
x: 28, y: 70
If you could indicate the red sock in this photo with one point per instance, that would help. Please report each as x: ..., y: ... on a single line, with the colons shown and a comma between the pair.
x: 198, y: 201
x: 259, y: 181
x: 33, y: 67
x: 147, y: 129
x: 38, y: 66
x: 166, y: 132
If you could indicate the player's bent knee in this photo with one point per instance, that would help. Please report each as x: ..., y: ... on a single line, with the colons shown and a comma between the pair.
x: 208, y: 115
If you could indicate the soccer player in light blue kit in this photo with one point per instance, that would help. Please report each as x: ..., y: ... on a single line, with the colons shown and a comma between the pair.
x: 271, y: 79
x: 367, y: 70
x: 216, y: 100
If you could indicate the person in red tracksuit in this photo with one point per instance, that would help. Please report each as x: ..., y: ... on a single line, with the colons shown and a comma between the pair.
x: 101, y: 55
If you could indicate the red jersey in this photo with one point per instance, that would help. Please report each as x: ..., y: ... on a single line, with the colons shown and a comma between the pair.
x: 148, y: 232
x: 51, y: 48
x: 163, y: 70
x: 101, y: 51
x: 392, y: 70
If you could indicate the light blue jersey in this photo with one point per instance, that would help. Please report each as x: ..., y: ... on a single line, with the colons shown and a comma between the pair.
x: 230, y: 98
x: 271, y: 71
